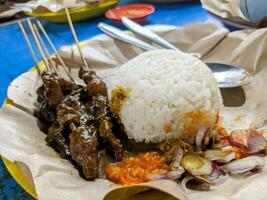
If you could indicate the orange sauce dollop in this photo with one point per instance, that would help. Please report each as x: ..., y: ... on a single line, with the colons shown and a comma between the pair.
x: 136, y: 169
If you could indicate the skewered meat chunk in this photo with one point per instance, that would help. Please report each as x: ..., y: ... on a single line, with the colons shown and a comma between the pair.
x: 54, y: 88
x: 73, y: 113
x: 50, y: 94
x: 97, y: 88
x: 71, y: 110
x: 100, y: 104
x: 94, y: 84
x: 57, y: 140
x: 45, y: 115
x: 105, y: 130
x: 88, y: 118
x: 84, y: 149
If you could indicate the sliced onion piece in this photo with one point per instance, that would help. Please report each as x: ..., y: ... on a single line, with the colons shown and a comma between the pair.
x: 213, y: 179
x: 220, y: 156
x: 195, y: 184
x: 217, y: 171
x: 200, y: 136
x: 184, y: 182
x: 171, y: 175
x: 220, y: 180
x: 177, y: 159
x: 244, y: 165
x: 256, y: 142
x: 203, y: 179
x: 252, y: 172
x: 218, y: 176
x: 196, y: 165
x: 238, y: 138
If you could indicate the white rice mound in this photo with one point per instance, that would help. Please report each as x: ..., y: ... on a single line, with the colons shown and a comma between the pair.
x: 164, y: 86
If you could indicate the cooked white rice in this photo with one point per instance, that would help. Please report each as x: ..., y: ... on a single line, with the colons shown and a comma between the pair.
x: 166, y: 90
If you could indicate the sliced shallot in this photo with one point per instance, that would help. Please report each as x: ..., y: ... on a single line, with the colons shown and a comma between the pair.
x: 218, y: 176
x: 184, y: 182
x: 238, y: 138
x: 244, y: 165
x: 195, y: 184
x: 197, y: 165
x: 200, y: 136
x: 171, y: 175
x: 256, y: 142
x: 219, y: 155
x: 175, y: 165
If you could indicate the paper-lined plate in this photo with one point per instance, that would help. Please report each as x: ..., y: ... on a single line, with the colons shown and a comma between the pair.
x: 50, y: 173
x: 77, y: 14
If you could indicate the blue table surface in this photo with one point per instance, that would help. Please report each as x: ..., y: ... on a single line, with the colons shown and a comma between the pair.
x: 16, y: 57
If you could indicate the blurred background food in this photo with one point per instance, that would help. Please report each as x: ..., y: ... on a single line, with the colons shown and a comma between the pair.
x: 238, y: 13
x: 80, y: 11
x: 6, y: 14
x: 53, y: 10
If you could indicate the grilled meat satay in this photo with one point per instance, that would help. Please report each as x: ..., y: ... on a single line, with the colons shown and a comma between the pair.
x: 55, y: 88
x: 58, y: 141
x: 77, y: 119
x: 100, y: 106
x: 94, y: 84
x: 74, y: 114
x: 84, y: 149
x: 50, y: 95
x: 97, y: 88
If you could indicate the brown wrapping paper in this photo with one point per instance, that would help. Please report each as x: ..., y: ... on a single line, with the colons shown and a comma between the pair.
x: 56, y: 179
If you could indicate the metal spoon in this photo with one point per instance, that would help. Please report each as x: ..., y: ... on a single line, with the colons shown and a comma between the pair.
x: 227, y: 76
x: 147, y: 34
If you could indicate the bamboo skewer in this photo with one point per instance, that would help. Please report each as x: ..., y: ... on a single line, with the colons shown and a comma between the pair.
x: 50, y: 61
x: 49, y: 64
x: 38, y: 44
x: 54, y: 49
x: 30, y: 47
x: 75, y: 37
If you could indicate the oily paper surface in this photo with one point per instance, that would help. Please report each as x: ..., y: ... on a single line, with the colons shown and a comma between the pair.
x: 22, y: 141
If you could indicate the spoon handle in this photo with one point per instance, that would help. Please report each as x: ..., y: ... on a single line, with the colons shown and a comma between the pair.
x: 122, y: 36
x: 147, y: 34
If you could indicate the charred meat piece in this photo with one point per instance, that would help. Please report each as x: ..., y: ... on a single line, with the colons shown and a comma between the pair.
x: 84, y: 149
x: 46, y: 115
x: 55, y: 89
x: 94, y: 84
x: 56, y: 139
x: 97, y: 89
x: 50, y: 95
x: 105, y: 131
x: 83, y: 144
x: 80, y: 111
x: 71, y: 110
x: 101, y: 109
x: 40, y: 94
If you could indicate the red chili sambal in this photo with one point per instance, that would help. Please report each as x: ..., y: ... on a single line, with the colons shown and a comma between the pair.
x: 133, y: 170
